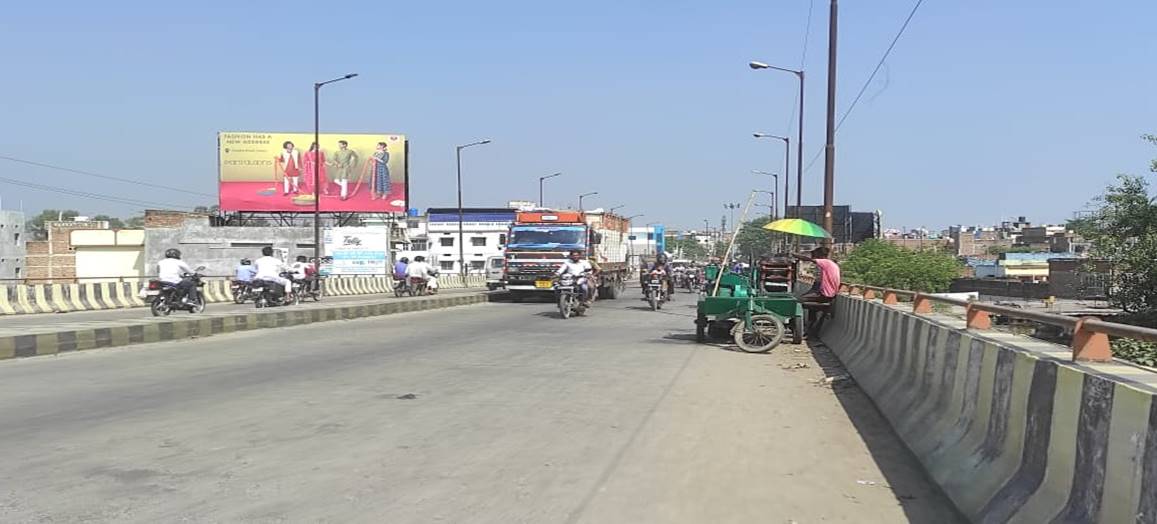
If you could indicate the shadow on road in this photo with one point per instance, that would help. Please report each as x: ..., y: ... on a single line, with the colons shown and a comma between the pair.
x: 918, y: 494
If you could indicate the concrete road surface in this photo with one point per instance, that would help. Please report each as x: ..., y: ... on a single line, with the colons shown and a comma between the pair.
x: 497, y: 413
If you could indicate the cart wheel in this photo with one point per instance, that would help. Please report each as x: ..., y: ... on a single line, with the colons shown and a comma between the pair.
x: 766, y: 332
x: 797, y: 330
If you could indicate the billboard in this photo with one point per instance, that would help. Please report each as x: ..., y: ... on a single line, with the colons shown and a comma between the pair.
x: 357, y: 250
x: 363, y: 173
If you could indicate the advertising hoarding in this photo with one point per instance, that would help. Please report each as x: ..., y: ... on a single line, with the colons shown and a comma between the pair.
x: 273, y: 172
x: 357, y: 250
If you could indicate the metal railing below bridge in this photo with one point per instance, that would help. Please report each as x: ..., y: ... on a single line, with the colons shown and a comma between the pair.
x: 1090, y: 342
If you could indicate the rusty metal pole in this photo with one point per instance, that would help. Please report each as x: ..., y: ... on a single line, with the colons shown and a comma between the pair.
x: 830, y: 146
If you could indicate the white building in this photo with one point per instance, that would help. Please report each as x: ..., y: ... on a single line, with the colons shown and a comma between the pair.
x: 12, y: 244
x: 484, y: 233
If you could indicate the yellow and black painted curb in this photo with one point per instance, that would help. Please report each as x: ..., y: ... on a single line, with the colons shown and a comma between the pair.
x: 197, y: 326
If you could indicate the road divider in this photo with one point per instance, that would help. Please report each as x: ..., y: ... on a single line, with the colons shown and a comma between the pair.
x: 28, y: 299
x: 65, y: 338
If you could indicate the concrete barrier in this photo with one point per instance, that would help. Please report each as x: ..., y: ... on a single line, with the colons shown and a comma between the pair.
x: 1010, y: 430
x: 88, y: 296
x: 141, y: 331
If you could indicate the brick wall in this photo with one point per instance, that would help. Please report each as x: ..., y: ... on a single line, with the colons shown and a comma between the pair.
x: 163, y: 218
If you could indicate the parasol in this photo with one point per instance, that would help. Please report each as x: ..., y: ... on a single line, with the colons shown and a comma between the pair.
x: 797, y: 226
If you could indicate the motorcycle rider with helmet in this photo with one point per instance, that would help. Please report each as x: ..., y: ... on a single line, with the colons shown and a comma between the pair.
x: 172, y: 270
x: 270, y: 268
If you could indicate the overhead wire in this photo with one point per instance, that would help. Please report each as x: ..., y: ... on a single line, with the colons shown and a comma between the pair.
x: 106, y: 177
x: 86, y: 194
x: 871, y: 77
x: 802, y: 60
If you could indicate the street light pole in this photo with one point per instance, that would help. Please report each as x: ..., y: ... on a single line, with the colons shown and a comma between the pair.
x: 317, y: 164
x: 786, y: 168
x: 774, y: 187
x: 830, y: 146
x: 799, y: 140
x: 580, y: 207
x: 612, y: 209
x: 541, y: 202
x: 461, y: 238
x: 732, y: 207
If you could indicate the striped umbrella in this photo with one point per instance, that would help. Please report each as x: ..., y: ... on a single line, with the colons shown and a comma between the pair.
x: 797, y: 226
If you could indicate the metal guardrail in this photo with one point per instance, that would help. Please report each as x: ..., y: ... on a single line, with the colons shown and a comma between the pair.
x: 1090, y: 334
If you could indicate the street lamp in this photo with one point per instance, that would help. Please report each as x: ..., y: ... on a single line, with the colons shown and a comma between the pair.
x: 786, y: 167
x: 317, y: 163
x: 612, y: 209
x: 775, y: 187
x: 580, y: 208
x: 541, y: 202
x: 799, y: 139
x: 732, y: 207
x: 461, y: 245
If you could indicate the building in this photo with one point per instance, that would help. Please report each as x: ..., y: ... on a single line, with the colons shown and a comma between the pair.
x: 1079, y: 278
x: 106, y: 255
x: 13, y: 238
x: 54, y: 259
x: 645, y: 241
x: 484, y: 231
x: 219, y: 249
x: 849, y: 227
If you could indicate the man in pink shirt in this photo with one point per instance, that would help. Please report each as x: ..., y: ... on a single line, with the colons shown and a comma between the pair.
x: 827, y: 283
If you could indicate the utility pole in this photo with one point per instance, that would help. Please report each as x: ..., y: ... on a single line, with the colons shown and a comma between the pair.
x: 830, y: 145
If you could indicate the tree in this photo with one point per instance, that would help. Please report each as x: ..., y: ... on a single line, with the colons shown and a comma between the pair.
x: 36, y: 225
x: 1123, y: 230
x: 113, y: 222
x: 687, y: 248
x: 754, y: 241
x: 136, y: 221
x: 879, y: 263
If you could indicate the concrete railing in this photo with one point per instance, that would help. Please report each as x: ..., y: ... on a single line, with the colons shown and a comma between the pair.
x: 22, y: 299
x: 1010, y: 427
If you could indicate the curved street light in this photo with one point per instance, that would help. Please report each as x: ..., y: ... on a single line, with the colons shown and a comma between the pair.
x: 461, y: 246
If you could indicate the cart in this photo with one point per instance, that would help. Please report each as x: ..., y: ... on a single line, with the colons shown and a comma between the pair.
x: 752, y: 309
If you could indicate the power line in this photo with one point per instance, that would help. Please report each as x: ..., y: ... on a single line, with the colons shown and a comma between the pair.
x: 802, y: 60
x: 106, y: 177
x: 870, y: 78
x: 85, y: 194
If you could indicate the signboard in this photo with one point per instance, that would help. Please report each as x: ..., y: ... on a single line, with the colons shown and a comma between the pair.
x: 357, y: 250
x: 363, y: 173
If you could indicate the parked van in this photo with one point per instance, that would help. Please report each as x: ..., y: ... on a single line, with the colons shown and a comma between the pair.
x: 494, y: 272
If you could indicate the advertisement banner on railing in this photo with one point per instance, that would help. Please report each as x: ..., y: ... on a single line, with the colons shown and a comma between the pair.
x: 262, y: 171
x: 357, y: 250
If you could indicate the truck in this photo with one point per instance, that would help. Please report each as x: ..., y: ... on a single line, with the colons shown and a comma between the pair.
x: 540, y: 239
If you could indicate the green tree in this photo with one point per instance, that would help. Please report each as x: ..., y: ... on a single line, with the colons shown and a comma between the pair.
x: 879, y: 263
x: 36, y: 225
x: 754, y: 241
x: 687, y: 248
x: 135, y: 221
x: 113, y: 222
x: 1123, y: 230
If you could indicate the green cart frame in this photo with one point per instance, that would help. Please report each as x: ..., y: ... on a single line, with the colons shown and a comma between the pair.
x: 757, y: 320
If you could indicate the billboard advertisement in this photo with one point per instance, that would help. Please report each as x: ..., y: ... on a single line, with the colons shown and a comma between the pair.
x: 357, y: 250
x: 363, y: 173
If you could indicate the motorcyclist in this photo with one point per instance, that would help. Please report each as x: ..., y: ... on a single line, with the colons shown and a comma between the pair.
x: 245, y: 271
x: 662, y: 264
x: 172, y: 270
x: 302, y: 271
x: 580, y: 267
x: 419, y: 268
x: 270, y: 269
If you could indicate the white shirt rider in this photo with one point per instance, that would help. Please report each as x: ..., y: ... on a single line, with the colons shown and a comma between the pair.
x: 169, y: 270
x: 424, y: 270
x: 270, y: 268
x: 574, y: 268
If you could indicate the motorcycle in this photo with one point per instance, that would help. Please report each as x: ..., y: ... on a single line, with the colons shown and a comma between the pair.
x: 656, y: 289
x: 265, y: 293
x: 310, y: 288
x: 417, y: 287
x: 241, y: 291
x: 569, y: 294
x: 691, y: 282
x: 401, y: 286
x: 164, y: 298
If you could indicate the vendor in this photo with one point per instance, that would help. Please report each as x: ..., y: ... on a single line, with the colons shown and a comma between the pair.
x: 827, y: 283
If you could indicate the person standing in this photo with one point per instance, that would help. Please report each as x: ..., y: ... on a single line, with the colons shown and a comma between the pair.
x: 290, y: 162
x: 381, y: 161
x: 345, y: 164
x: 315, y: 159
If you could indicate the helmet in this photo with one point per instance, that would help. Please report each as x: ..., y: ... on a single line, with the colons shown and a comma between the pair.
x: 302, y: 258
x: 405, y: 260
x: 172, y: 253
x: 246, y: 262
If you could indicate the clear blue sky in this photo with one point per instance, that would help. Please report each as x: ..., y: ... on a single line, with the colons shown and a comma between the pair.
x: 985, y: 110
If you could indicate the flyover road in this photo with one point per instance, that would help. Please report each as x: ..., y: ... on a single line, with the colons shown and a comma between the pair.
x: 496, y: 413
